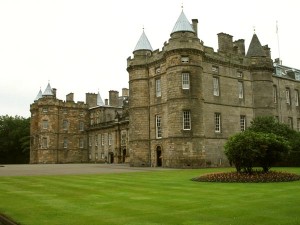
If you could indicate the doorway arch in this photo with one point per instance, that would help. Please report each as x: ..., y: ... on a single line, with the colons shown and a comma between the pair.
x: 158, y: 156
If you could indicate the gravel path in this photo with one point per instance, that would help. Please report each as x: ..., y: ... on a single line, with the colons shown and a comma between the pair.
x: 70, y: 169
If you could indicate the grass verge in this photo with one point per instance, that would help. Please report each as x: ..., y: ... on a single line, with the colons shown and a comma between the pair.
x: 148, y: 198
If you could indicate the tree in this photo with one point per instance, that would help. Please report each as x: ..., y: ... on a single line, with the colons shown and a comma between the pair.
x: 249, y: 148
x: 268, y: 124
x: 14, y: 139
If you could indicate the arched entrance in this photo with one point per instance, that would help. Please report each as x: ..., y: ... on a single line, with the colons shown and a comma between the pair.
x: 158, y: 156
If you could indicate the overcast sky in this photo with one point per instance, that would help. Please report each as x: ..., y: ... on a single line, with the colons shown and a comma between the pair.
x: 82, y: 46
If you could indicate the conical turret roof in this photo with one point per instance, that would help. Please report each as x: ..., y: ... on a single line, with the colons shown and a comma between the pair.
x: 182, y: 24
x: 99, y: 100
x: 255, y: 48
x: 39, y: 95
x: 143, y: 43
x: 48, y: 91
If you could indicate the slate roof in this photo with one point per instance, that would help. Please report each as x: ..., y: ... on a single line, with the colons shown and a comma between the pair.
x: 99, y: 100
x: 255, y: 48
x: 48, y: 91
x: 39, y: 95
x: 143, y: 43
x: 182, y: 24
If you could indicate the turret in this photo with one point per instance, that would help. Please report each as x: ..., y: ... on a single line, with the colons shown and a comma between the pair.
x: 261, y: 67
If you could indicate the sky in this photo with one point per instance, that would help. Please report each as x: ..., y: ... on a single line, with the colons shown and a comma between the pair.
x: 82, y: 46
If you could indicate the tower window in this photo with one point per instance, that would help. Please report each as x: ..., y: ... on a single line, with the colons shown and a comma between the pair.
x: 241, y: 90
x: 158, y: 88
x: 45, y: 124
x: 158, y: 127
x: 243, y: 122
x: 185, y: 81
x: 288, y: 96
x: 65, y: 142
x: 185, y: 59
x: 186, y: 120
x: 215, y: 69
x: 216, y: 86
x: 218, y: 122
x: 275, y: 94
x: 296, y: 98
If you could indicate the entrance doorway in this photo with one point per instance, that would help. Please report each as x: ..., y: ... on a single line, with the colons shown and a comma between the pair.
x: 124, y: 155
x: 158, y: 156
x: 111, y: 157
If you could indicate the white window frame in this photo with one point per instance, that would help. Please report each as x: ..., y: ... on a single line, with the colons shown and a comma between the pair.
x: 275, y: 94
x: 158, y: 126
x: 102, y: 139
x: 109, y: 138
x: 45, y: 124
x: 65, y: 142
x: 81, y: 143
x: 296, y: 98
x: 243, y: 122
x: 241, y: 89
x: 65, y: 124
x: 217, y: 122
x: 186, y: 123
x: 158, y: 87
x: 81, y: 126
x: 185, y: 81
x: 216, y: 86
x: 288, y: 96
x: 44, y: 142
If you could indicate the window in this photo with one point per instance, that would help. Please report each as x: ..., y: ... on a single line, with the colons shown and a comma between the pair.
x: 65, y: 124
x: 186, y: 120
x: 185, y: 59
x: 81, y: 126
x: 65, y: 142
x: 290, y: 122
x: 45, y: 124
x: 96, y: 140
x: 298, y: 124
x: 90, y: 140
x: 239, y: 74
x: 288, y: 96
x: 243, y: 122
x: 109, y: 139
x: 275, y: 94
x: 215, y: 69
x: 216, y: 86
x: 218, y: 122
x: 241, y: 90
x: 158, y: 88
x: 185, y: 81
x: 102, y: 140
x: 296, y: 98
x: 81, y: 143
x: 44, y: 142
x: 158, y: 127
x: 45, y: 110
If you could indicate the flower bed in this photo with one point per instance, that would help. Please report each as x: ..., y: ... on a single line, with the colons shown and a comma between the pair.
x: 255, y: 177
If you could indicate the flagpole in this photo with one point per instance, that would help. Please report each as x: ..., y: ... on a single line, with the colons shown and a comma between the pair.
x: 278, y: 41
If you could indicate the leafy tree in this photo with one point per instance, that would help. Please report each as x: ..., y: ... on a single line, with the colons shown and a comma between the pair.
x: 250, y: 148
x: 14, y: 139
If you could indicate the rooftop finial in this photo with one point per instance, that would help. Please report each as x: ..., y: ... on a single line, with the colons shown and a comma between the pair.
x: 254, y: 29
x: 182, y: 5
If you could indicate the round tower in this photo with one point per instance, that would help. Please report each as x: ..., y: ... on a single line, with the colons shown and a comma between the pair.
x: 138, y: 69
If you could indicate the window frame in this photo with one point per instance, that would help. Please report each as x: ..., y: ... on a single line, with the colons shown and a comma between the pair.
x: 185, y: 80
x: 186, y: 120
x: 158, y: 126
x: 241, y: 89
x: 288, y: 96
x: 216, y: 86
x: 243, y: 122
x: 158, y: 87
x: 217, y: 118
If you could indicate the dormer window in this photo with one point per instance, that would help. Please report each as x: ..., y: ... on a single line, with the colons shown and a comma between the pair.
x: 185, y: 59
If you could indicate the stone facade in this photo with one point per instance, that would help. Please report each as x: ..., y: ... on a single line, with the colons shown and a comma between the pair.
x: 187, y: 99
x: 182, y: 105
x: 69, y: 132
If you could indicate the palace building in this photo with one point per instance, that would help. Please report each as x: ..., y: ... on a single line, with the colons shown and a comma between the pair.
x: 182, y: 104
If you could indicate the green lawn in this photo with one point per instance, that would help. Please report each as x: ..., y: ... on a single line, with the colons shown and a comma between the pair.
x: 167, y: 197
